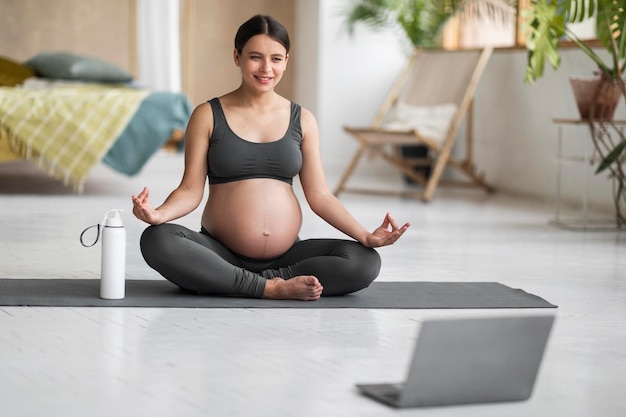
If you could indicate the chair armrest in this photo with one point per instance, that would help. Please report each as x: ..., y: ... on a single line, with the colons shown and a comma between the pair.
x: 378, y: 130
x: 374, y: 136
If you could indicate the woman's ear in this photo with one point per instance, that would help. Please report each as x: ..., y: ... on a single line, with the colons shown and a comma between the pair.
x: 236, y: 57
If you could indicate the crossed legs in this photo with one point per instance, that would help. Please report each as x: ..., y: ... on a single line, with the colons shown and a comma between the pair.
x: 197, y: 262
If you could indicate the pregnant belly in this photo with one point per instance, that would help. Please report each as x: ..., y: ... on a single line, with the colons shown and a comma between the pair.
x: 257, y: 218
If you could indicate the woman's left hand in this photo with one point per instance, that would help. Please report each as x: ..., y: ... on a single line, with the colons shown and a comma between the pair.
x: 386, y: 234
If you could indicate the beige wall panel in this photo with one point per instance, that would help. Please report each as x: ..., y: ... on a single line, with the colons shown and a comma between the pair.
x: 209, y: 69
x: 100, y: 28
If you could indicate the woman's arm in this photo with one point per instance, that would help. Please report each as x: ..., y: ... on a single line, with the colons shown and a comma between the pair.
x: 326, y: 205
x: 188, y: 195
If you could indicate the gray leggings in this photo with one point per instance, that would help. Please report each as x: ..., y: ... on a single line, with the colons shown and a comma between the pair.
x: 196, y: 261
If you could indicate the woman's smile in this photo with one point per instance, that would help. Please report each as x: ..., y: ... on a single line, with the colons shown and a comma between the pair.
x: 263, y: 79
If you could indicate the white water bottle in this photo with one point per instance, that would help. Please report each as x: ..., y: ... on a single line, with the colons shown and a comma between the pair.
x: 113, y: 267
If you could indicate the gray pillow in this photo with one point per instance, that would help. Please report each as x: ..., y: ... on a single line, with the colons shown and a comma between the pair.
x: 68, y: 66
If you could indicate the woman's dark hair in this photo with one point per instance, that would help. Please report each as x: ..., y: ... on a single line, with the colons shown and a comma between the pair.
x: 261, y: 25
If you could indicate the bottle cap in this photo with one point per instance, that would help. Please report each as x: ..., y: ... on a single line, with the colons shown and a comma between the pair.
x: 113, y: 218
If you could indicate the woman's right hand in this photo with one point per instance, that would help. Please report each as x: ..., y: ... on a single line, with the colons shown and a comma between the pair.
x: 143, y: 210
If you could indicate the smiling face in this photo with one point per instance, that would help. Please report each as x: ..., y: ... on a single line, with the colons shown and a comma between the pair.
x: 262, y: 62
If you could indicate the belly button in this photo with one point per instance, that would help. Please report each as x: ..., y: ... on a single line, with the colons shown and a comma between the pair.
x: 266, y: 233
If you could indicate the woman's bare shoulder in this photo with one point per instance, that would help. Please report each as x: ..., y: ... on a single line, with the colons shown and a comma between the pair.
x: 201, y: 121
x: 203, y: 107
x: 307, y: 119
x: 203, y: 111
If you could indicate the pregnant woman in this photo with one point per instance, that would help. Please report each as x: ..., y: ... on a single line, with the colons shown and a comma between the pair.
x: 250, y: 144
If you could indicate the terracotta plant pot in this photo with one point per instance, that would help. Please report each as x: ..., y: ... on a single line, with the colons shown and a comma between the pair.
x: 586, y: 88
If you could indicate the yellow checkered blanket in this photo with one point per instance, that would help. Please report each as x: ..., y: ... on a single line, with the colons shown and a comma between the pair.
x: 67, y: 130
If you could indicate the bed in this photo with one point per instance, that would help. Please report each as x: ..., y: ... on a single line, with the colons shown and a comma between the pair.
x: 66, y: 113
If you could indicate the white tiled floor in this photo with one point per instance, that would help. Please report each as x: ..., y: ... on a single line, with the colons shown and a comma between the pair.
x: 194, y: 362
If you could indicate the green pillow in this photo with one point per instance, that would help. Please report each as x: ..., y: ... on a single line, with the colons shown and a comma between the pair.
x: 68, y: 66
x: 13, y: 73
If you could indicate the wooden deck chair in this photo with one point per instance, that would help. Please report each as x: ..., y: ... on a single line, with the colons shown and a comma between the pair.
x: 426, y: 106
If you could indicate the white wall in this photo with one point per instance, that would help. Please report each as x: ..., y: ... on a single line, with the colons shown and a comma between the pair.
x: 356, y: 73
x: 516, y: 139
x: 514, y: 133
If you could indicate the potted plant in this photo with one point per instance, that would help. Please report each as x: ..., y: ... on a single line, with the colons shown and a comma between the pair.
x: 422, y: 22
x: 548, y: 25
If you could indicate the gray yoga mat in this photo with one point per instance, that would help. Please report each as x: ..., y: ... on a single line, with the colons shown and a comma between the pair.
x: 162, y: 293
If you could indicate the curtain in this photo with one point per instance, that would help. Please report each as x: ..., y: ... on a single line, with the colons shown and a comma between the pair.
x: 158, y: 38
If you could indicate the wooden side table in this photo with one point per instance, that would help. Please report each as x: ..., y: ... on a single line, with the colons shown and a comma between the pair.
x: 588, y: 160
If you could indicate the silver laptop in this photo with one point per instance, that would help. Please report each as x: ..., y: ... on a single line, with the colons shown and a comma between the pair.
x: 470, y: 360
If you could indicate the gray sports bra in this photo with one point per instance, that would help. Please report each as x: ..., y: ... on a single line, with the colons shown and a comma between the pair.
x: 232, y: 158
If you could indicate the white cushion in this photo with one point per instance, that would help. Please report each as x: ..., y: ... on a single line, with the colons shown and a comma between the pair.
x: 432, y: 122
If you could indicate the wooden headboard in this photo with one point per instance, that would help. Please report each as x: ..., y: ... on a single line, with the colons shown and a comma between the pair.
x: 104, y: 29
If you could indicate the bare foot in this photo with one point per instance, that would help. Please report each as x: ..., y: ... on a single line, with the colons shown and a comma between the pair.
x: 303, y: 287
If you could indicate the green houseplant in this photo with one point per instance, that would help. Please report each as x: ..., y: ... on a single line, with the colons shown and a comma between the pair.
x: 548, y: 25
x: 422, y: 21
